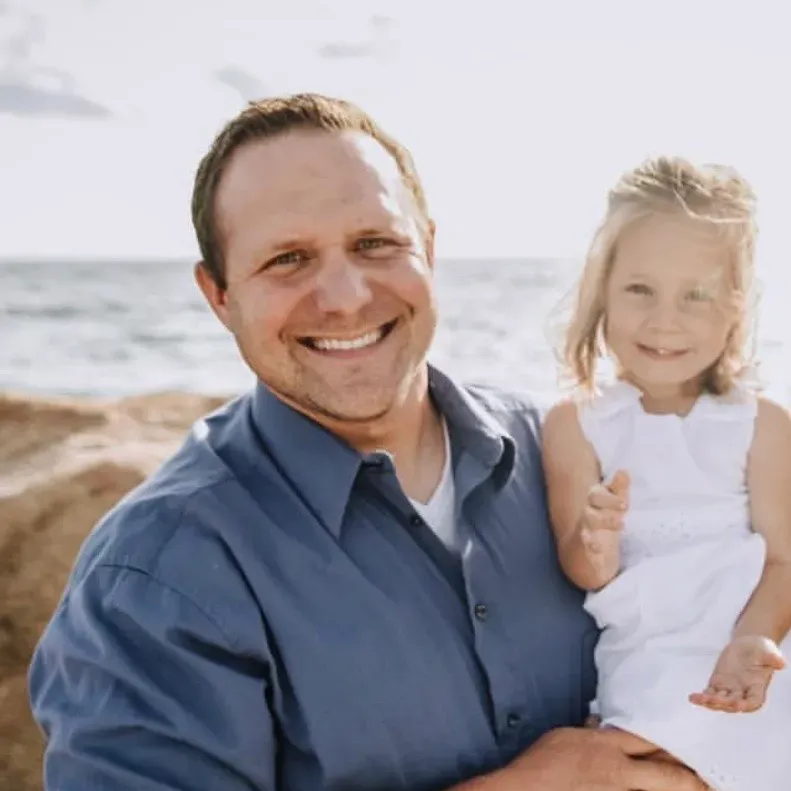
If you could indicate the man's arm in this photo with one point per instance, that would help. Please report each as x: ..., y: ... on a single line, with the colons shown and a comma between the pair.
x: 567, y: 759
x: 137, y: 689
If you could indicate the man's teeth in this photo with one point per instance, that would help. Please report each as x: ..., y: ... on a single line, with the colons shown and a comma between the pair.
x: 335, y: 344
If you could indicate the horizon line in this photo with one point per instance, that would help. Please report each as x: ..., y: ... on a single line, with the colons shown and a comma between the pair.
x: 109, y: 259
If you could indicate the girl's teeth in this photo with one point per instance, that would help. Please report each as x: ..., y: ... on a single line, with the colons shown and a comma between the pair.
x: 663, y: 352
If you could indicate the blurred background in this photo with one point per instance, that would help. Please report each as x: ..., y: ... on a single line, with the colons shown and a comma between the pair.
x: 520, y: 116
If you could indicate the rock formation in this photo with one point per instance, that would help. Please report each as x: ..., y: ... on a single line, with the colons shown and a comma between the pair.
x: 63, y: 464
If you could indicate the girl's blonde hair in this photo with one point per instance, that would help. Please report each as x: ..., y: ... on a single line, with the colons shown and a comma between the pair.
x: 712, y: 194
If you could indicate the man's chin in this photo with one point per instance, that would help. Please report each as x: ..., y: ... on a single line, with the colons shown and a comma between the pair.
x: 353, y: 410
x: 366, y: 399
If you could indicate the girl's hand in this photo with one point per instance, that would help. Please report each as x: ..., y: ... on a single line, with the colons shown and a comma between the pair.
x: 741, y: 676
x: 603, y: 518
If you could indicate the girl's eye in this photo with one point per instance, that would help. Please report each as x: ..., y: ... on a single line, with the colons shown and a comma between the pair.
x: 700, y: 295
x: 638, y: 288
x: 372, y: 243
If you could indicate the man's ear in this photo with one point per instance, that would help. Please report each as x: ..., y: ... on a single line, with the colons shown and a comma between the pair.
x: 214, y: 294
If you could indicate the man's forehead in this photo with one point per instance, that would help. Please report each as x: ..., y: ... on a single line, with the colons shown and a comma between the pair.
x: 312, y: 172
x: 296, y: 161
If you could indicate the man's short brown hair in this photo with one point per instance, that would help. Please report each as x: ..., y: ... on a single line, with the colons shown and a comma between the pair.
x: 264, y: 120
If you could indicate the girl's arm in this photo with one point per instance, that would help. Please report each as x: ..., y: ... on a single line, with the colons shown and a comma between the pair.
x: 571, y: 470
x: 768, y: 612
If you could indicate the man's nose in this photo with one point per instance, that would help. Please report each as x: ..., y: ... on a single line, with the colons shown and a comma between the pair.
x: 341, y: 285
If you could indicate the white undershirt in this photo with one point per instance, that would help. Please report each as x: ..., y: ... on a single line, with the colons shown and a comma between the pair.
x: 439, y: 512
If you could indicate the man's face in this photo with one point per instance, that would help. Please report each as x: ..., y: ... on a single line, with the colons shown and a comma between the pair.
x: 329, y: 273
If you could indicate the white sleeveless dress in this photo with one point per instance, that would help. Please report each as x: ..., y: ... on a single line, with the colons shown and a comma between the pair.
x: 690, y: 561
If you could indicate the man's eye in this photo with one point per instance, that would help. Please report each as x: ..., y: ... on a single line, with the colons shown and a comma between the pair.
x: 292, y: 257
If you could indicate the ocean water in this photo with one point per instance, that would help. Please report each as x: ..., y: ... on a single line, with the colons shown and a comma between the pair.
x: 111, y: 329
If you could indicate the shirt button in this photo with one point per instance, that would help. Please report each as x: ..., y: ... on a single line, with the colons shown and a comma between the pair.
x: 415, y: 520
x: 513, y: 720
x: 481, y: 612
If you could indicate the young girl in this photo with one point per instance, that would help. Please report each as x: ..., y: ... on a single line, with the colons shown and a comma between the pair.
x: 670, y: 487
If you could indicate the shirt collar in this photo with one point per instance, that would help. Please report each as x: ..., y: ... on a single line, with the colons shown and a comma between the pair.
x: 323, y: 468
x: 474, y: 427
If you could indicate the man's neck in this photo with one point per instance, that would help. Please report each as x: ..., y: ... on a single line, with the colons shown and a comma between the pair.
x: 416, y: 440
x: 412, y: 432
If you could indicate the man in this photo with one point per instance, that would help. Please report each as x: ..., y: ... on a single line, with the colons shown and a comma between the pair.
x: 345, y: 579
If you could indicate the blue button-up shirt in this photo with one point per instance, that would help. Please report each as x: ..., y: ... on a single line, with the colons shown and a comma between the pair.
x: 268, y: 612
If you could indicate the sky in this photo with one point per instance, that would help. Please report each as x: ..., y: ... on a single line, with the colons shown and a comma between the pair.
x: 520, y: 115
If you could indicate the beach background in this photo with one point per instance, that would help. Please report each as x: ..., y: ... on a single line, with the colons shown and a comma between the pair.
x: 111, y: 328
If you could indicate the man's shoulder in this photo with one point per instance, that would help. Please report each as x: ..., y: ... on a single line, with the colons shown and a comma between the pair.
x: 167, y: 538
x: 139, y: 530
x: 136, y: 532
x: 510, y: 406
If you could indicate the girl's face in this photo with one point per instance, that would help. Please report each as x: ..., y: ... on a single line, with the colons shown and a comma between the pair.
x: 668, y: 304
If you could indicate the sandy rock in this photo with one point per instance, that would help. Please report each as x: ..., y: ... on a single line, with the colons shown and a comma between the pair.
x: 63, y: 464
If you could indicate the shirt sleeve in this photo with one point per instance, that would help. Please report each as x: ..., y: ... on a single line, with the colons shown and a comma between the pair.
x: 137, y: 689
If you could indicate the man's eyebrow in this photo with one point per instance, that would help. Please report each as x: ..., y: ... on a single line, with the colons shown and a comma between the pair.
x: 284, y: 245
x: 389, y: 227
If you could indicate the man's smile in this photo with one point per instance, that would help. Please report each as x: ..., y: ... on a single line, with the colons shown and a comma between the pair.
x: 349, y: 343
